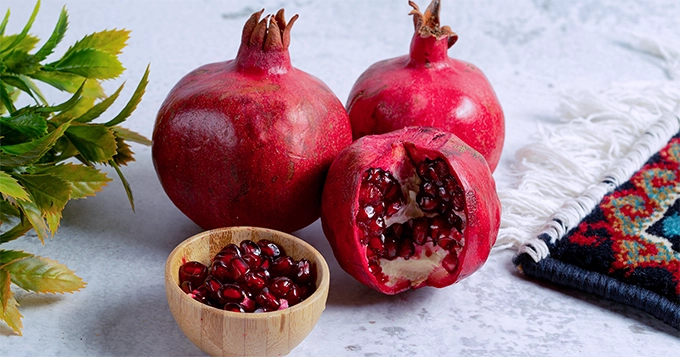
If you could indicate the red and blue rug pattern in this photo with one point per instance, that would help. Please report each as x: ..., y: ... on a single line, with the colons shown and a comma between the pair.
x: 628, y: 248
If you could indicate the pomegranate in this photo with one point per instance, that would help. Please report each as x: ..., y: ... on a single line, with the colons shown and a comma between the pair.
x: 230, y: 283
x: 428, y: 88
x: 415, y: 207
x: 249, y: 141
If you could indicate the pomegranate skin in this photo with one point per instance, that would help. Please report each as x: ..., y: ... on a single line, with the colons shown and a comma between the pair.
x: 340, y: 203
x: 249, y: 141
x: 428, y: 88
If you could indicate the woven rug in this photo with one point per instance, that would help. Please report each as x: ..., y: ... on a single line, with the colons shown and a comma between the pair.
x: 597, y: 205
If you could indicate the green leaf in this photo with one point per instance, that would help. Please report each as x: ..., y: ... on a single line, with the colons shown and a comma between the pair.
x: 65, y: 105
x: 43, y: 275
x: 6, y: 99
x: 15, y: 81
x: 19, y: 38
x: 11, y: 187
x: 27, y: 123
x: 110, y: 41
x: 69, y: 83
x: 123, y: 152
x: 130, y: 135
x: 30, y: 152
x: 11, y: 315
x: 29, y: 82
x: 8, y: 212
x: 90, y: 63
x: 25, y: 45
x: 17, y: 231
x: 56, y: 37
x: 126, y: 185
x: 99, y: 108
x: 4, y: 288
x: 20, y: 62
x: 10, y: 256
x: 84, y: 180
x: 134, y: 101
x: 35, y: 218
x: 3, y: 25
x: 95, y: 142
x: 49, y: 193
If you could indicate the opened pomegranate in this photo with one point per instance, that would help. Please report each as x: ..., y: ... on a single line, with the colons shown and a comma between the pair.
x: 412, y: 208
x: 248, y: 141
x: 428, y: 88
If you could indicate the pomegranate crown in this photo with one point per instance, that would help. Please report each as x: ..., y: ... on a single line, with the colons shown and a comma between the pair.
x: 427, y: 24
x: 270, y: 33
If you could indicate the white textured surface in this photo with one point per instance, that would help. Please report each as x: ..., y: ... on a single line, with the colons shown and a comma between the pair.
x: 530, y: 50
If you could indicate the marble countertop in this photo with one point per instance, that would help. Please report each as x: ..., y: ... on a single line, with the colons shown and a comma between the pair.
x: 531, y: 51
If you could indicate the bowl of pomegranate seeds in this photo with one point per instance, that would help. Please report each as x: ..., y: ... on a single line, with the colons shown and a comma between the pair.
x: 246, y: 291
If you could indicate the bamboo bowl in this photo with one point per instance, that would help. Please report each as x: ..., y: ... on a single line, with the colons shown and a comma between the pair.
x: 224, y: 333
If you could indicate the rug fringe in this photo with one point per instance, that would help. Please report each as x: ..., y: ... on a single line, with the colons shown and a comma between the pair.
x: 569, y: 160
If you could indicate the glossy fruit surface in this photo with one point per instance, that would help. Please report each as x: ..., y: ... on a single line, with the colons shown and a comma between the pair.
x: 411, y: 208
x: 429, y: 88
x: 247, y: 142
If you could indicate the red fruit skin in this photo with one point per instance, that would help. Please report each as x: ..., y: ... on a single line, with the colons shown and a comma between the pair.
x: 428, y: 88
x: 340, y: 200
x: 248, y: 141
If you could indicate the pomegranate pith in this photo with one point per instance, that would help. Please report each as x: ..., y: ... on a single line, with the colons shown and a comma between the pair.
x: 428, y: 88
x: 415, y: 207
x: 247, y: 142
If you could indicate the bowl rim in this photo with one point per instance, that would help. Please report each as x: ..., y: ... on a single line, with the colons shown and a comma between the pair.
x: 318, y: 293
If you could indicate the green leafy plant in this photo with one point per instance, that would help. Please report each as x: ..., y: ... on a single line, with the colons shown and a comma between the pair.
x: 49, y: 152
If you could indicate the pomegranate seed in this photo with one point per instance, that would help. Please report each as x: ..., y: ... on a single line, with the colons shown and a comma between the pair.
x: 420, y: 228
x: 228, y: 252
x: 193, y: 271
x: 393, y: 192
x: 446, y: 243
x: 200, y: 294
x: 377, y: 225
x: 280, y: 286
x: 406, y: 249
x: 306, y: 290
x: 257, y: 279
x: 267, y: 300
x: 458, y: 199
x: 394, y: 207
x: 238, y: 268
x: 428, y: 189
x: 230, y: 293
x: 283, y: 266
x: 294, y: 295
x: 369, y: 194
x: 369, y: 211
x: 212, y: 285
x: 440, y: 168
x: 427, y: 203
x: 248, y: 304
x: 248, y: 246
x: 266, y: 263
x: 450, y: 262
x: 374, y: 268
x: 270, y: 249
x: 283, y: 304
x: 376, y: 243
x: 391, y: 248
x: 233, y: 307
x: 186, y: 287
x: 221, y: 271
x: 253, y: 261
x: 304, y: 272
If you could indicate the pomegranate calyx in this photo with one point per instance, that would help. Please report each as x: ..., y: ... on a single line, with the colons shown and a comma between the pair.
x: 264, y: 43
x: 427, y: 24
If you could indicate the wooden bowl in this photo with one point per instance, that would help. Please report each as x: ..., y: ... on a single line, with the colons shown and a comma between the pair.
x: 224, y: 333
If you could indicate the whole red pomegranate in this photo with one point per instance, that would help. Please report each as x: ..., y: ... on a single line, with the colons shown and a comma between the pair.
x: 428, y: 88
x: 411, y: 208
x: 249, y: 141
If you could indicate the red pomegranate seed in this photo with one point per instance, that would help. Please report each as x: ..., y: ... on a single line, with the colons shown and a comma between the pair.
x: 238, y: 268
x: 406, y: 249
x: 427, y: 203
x: 257, y: 279
x: 394, y: 207
x: 393, y: 192
x: 233, y: 307
x: 283, y: 266
x: 230, y: 293
x: 294, y: 295
x: 267, y: 300
x: 305, y: 273
x: 450, y: 262
x: 200, y: 294
x: 193, y: 271
x: 280, y: 286
x: 428, y: 189
x: 369, y: 194
x: 212, y: 285
x: 248, y: 246
x: 376, y: 243
x: 443, y: 194
x: 446, y: 243
x: 420, y: 230
x: 306, y: 290
x: 253, y: 261
x: 186, y: 287
x: 391, y: 250
x: 270, y: 249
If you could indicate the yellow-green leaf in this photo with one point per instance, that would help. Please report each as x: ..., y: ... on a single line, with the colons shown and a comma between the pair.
x: 43, y: 275
x: 11, y: 315
x: 110, y: 41
x: 95, y: 142
x: 4, y: 288
x: 26, y: 44
x: 90, y: 63
x: 35, y: 217
x: 56, y: 37
x: 49, y: 193
x: 3, y: 25
x: 30, y: 152
x: 17, y: 231
x: 8, y: 211
x: 19, y: 38
x: 99, y: 108
x: 11, y: 256
x: 123, y: 152
x: 130, y: 135
x: 84, y: 180
x: 30, y: 124
x: 134, y: 100
x: 11, y: 187
x: 69, y: 83
x: 126, y: 184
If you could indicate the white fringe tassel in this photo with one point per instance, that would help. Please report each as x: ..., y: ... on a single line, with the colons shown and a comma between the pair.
x: 600, y: 144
